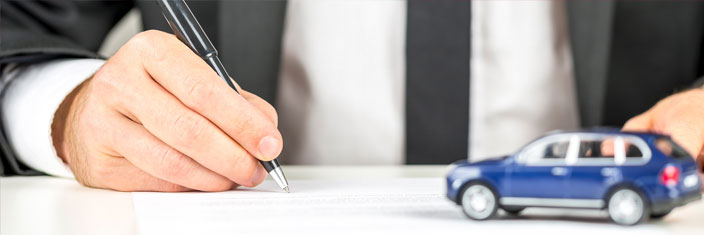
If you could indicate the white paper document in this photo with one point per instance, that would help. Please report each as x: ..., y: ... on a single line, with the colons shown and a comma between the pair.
x: 386, y: 206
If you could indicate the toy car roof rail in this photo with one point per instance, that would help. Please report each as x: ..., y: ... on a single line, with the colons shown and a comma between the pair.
x: 603, y: 130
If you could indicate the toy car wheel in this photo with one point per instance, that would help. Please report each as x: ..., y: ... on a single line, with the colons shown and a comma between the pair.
x: 479, y: 202
x: 660, y: 215
x: 627, y: 207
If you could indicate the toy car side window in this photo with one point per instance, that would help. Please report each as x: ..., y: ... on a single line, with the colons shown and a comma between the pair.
x: 556, y: 150
x: 669, y: 148
x: 550, y: 150
x: 606, y: 149
x: 596, y: 150
x: 632, y: 151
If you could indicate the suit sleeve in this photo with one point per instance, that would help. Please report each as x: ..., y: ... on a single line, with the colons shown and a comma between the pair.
x: 38, y: 31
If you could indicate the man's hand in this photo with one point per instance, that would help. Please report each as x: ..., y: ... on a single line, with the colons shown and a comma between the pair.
x: 680, y: 115
x: 156, y: 117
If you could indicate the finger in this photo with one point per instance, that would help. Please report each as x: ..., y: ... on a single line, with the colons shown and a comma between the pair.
x: 262, y: 106
x: 193, y: 135
x: 607, y: 147
x: 119, y: 174
x: 195, y: 84
x: 156, y: 158
x: 687, y: 132
x: 640, y: 123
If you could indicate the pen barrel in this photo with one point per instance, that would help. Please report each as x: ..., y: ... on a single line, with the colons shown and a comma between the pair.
x: 270, y: 165
x: 187, y: 29
x: 215, y: 63
x: 274, y: 170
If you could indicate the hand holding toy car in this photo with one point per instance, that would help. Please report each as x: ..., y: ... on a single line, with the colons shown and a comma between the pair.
x: 680, y: 116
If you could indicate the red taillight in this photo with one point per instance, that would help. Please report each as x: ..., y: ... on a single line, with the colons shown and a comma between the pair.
x: 670, y: 176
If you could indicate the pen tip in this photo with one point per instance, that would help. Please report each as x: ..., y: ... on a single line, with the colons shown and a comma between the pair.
x: 286, y: 188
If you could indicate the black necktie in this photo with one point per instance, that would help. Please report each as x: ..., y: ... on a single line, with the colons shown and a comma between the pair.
x: 437, y: 81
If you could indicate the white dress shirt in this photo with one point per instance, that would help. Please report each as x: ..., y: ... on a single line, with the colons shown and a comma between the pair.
x: 341, y: 96
x: 29, y: 104
x: 522, y: 83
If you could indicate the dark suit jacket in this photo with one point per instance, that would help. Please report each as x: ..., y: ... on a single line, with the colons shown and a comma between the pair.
x: 627, y: 55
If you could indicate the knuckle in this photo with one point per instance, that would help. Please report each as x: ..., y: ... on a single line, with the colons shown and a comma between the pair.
x: 170, y: 163
x: 146, y: 38
x: 150, y: 42
x: 141, y: 40
x: 110, y: 80
x: 273, y: 114
x: 266, y: 110
x: 245, y: 123
x: 97, y: 173
x: 243, y: 170
x: 263, y: 106
x: 105, y: 80
x: 189, y: 127
x: 199, y: 92
x: 101, y: 170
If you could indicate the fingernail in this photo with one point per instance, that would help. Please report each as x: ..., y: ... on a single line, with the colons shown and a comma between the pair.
x: 269, y: 147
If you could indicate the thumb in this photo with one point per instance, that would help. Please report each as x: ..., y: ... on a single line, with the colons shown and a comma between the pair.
x: 640, y: 123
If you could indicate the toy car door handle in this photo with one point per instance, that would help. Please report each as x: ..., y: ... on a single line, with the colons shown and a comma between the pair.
x: 608, y: 171
x: 559, y: 171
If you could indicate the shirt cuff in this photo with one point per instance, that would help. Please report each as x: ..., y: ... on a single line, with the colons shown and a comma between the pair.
x: 29, y: 104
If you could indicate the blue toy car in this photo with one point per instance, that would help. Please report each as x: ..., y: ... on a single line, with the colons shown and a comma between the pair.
x: 634, y: 176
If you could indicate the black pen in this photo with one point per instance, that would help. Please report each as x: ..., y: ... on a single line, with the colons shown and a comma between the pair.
x: 187, y: 29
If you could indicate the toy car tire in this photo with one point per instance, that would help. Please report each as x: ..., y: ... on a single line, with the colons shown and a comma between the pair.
x: 479, y: 202
x: 627, y: 206
x: 513, y: 210
x: 660, y: 215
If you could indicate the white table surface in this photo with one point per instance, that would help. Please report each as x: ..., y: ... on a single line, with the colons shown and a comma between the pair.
x: 50, y: 205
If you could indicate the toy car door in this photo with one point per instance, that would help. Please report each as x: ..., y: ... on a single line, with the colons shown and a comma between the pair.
x: 598, y: 164
x: 594, y: 169
x: 540, y: 170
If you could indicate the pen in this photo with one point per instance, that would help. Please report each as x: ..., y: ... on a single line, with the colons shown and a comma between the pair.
x: 187, y: 29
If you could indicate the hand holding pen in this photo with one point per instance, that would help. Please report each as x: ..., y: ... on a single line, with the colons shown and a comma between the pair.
x: 188, y: 30
x: 156, y: 117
